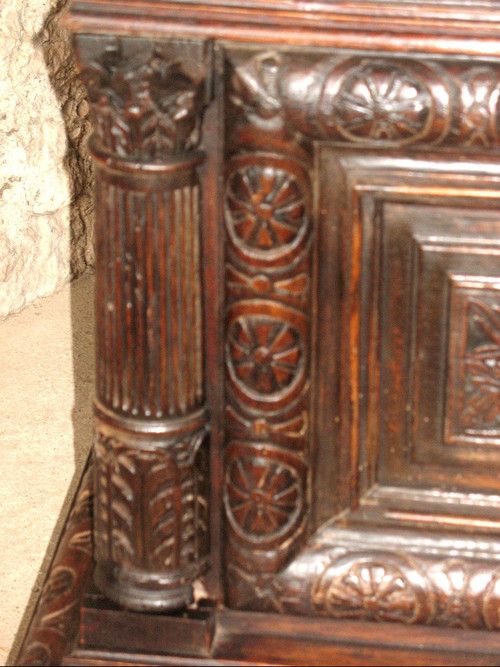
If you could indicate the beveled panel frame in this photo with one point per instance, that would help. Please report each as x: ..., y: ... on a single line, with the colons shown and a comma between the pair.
x: 402, y: 233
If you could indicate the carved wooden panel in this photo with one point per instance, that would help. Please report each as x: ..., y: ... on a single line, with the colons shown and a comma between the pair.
x: 268, y: 302
x: 352, y: 575
x: 371, y: 101
x: 417, y: 240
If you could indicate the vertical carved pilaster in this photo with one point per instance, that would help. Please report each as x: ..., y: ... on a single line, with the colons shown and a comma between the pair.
x: 269, y: 231
x: 151, y: 433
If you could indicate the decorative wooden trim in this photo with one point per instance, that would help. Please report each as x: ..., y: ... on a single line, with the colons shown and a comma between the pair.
x: 372, y: 101
x: 393, y: 26
x: 356, y: 579
x: 151, y: 524
x: 55, y: 620
x: 269, y: 230
x: 357, y: 101
x: 244, y: 637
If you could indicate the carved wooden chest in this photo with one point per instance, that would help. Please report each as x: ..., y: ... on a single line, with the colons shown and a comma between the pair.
x: 298, y: 337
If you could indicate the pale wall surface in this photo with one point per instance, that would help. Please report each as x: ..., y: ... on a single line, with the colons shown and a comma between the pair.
x: 46, y: 385
x: 45, y: 173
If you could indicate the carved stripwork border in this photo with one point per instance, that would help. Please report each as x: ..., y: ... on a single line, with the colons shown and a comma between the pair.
x: 269, y: 231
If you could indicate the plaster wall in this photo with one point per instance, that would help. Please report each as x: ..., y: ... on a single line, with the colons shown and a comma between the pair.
x: 45, y: 171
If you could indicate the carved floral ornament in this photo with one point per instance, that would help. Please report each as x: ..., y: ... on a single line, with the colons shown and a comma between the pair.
x: 381, y: 589
x: 482, y: 369
x: 263, y: 494
x: 267, y: 207
x: 388, y: 586
x: 370, y: 101
x: 265, y: 354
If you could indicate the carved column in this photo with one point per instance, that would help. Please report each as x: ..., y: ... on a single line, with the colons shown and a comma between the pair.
x: 151, y: 422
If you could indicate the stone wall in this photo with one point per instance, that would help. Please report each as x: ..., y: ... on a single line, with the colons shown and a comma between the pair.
x: 45, y: 172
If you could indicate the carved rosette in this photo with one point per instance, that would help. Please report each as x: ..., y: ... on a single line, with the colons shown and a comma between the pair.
x: 151, y: 500
x: 268, y: 219
x: 369, y: 101
x: 392, y: 586
x: 384, y: 588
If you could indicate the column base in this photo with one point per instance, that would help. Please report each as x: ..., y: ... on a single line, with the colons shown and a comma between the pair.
x: 147, y: 592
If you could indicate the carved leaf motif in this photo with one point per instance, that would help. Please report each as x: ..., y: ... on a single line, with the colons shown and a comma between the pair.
x: 454, y: 580
x: 37, y: 654
x: 296, y: 427
x: 491, y: 603
x: 381, y: 102
x: 161, y: 508
x: 60, y: 583
x: 58, y: 620
x: 121, y: 511
x: 255, y: 591
x: 265, y: 353
x: 483, y: 369
x: 82, y: 542
x: 263, y: 498
x: 265, y: 208
x: 144, y: 105
x: 480, y: 94
x: 296, y: 286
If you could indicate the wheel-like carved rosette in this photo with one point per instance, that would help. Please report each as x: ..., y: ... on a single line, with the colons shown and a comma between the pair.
x: 266, y: 210
x: 380, y: 588
x: 382, y: 102
x: 265, y: 354
x: 263, y: 498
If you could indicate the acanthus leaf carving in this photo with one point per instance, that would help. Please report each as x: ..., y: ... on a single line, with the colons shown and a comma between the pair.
x: 166, y: 487
x: 146, y: 105
x: 483, y: 368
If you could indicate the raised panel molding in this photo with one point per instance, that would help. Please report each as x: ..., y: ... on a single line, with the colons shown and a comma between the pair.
x: 389, y: 238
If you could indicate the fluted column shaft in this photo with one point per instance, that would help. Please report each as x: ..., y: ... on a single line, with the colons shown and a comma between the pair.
x: 151, y: 523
